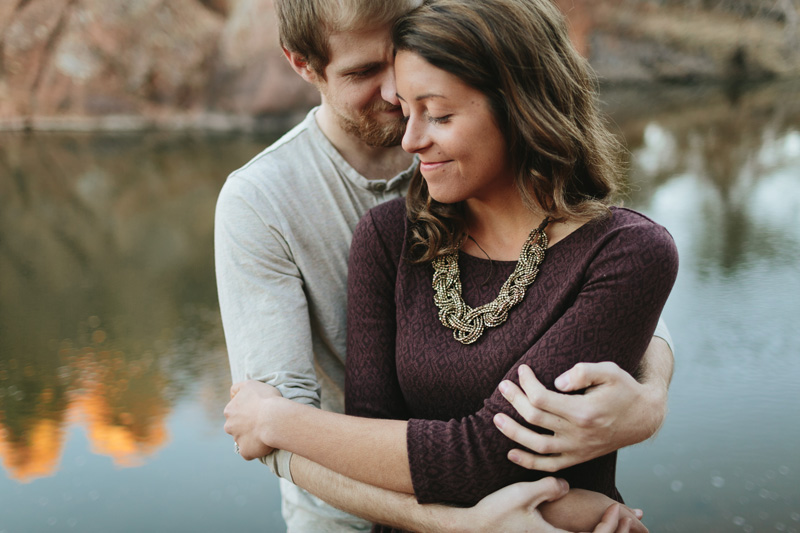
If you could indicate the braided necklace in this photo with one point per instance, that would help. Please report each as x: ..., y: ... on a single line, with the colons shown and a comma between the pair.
x: 467, y: 323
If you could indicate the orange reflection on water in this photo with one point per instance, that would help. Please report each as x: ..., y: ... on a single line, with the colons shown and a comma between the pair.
x: 119, y: 402
x: 38, y: 456
x: 116, y: 434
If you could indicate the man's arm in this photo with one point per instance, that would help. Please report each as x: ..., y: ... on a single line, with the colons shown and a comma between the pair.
x: 614, y: 410
x: 508, y: 509
x: 512, y: 509
x: 264, y: 309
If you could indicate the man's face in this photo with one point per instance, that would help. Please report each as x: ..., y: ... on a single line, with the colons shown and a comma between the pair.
x: 360, y: 88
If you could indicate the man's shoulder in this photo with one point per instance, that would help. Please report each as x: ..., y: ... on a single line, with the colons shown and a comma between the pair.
x: 278, y: 174
x: 287, y: 156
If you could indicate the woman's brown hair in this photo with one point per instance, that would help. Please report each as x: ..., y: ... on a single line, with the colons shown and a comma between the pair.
x: 543, y: 95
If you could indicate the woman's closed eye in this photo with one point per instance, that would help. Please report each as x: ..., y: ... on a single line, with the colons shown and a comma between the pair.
x: 439, y: 120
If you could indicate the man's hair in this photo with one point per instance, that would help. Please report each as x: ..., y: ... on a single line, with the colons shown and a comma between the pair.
x: 543, y: 97
x: 304, y: 26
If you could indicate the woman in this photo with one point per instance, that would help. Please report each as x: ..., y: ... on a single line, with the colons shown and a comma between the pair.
x: 513, y: 156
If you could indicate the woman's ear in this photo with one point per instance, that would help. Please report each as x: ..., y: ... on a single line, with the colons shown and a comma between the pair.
x: 300, y: 65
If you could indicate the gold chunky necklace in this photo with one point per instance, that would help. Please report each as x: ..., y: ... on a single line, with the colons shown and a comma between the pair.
x: 468, y: 323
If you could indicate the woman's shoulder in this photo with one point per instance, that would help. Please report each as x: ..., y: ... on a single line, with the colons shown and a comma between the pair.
x: 627, y: 220
x: 384, y: 225
x: 638, y: 234
x: 389, y: 215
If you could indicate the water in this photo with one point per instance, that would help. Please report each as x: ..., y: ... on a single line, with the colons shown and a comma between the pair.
x: 113, y: 370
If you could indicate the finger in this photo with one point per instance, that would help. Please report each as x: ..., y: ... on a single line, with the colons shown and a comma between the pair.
x: 547, y: 402
x: 610, y: 521
x: 628, y: 514
x: 522, y: 402
x: 530, y: 383
x: 547, y: 489
x: 543, y: 463
x: 235, y: 388
x: 585, y: 375
x: 537, y: 442
x: 538, y: 395
x: 635, y: 526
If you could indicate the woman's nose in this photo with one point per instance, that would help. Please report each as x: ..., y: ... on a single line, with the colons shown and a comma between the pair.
x: 414, y: 137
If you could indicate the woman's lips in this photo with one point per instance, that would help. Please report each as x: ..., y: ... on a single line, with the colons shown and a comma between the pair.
x: 428, y: 166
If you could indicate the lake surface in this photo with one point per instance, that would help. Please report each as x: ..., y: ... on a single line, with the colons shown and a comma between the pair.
x: 113, y: 370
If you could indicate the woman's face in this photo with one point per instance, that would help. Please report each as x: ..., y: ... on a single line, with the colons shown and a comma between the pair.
x: 463, y: 154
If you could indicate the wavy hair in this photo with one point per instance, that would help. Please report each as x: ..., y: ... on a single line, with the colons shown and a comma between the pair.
x: 543, y: 95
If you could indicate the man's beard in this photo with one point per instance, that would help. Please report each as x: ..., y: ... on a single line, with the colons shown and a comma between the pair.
x: 371, y: 132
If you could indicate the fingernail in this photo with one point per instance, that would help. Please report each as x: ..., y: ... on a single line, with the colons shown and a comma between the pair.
x: 513, y: 457
x: 503, y: 387
x: 499, y: 420
x: 562, y: 381
x: 563, y: 483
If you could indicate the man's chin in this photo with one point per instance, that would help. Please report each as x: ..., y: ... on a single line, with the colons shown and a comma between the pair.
x: 381, y: 135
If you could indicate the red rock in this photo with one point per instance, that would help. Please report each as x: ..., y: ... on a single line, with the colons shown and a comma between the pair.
x: 123, y: 63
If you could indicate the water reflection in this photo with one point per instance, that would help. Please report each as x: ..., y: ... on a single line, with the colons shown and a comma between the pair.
x: 723, y: 177
x: 733, y: 161
x: 108, y: 309
x: 109, y: 321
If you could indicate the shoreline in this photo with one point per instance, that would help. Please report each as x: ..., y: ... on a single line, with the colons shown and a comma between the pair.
x: 663, y: 93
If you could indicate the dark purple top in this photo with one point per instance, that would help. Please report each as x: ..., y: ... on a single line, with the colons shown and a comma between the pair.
x: 597, y: 297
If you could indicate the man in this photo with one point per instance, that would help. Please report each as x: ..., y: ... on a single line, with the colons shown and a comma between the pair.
x: 283, y: 228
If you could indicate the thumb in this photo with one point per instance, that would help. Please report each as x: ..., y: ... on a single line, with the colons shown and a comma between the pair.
x: 547, y: 489
x: 610, y: 522
x: 585, y: 375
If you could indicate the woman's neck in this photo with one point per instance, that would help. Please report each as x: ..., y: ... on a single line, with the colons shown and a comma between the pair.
x: 500, y: 227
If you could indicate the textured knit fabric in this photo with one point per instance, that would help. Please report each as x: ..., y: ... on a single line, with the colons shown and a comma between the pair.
x: 283, y: 227
x: 597, y: 297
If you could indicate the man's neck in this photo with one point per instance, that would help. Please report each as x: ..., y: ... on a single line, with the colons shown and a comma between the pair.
x: 369, y: 161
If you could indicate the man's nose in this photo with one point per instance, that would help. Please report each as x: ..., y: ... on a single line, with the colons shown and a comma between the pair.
x: 389, y: 87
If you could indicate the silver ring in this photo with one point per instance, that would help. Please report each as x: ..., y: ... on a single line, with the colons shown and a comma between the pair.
x: 236, y: 447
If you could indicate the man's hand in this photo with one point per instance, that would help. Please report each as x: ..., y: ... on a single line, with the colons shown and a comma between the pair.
x: 243, y: 416
x: 581, y: 510
x: 614, y: 411
x: 515, y: 509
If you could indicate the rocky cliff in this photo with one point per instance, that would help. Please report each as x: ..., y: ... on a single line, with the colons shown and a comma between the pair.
x: 216, y: 63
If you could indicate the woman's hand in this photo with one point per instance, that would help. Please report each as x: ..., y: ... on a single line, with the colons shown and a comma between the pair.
x: 247, y: 416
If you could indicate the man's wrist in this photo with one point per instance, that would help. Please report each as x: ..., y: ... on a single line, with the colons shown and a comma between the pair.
x: 656, y: 394
x: 271, y: 413
x: 447, y: 519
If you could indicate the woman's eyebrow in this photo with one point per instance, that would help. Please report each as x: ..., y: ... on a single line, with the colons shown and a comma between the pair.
x: 422, y: 96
